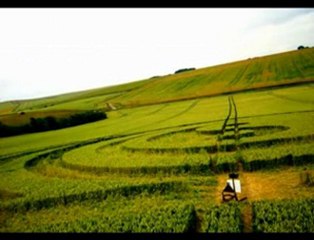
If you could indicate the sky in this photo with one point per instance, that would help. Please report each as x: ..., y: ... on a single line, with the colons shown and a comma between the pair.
x: 49, y: 51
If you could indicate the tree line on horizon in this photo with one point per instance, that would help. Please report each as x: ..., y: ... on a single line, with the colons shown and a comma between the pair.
x: 51, y: 123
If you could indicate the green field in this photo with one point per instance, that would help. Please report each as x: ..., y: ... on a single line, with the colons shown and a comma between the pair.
x: 160, y: 160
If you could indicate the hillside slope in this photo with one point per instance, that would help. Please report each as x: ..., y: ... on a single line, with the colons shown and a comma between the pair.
x: 278, y: 69
x: 258, y: 72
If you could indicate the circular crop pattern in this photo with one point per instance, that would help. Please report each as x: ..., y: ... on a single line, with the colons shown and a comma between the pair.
x: 196, y: 148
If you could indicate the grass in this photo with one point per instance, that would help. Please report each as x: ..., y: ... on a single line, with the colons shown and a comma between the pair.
x: 146, y: 213
x: 283, y: 216
x: 223, y: 219
x: 163, y: 145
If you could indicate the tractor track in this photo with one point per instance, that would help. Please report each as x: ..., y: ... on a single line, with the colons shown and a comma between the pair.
x: 246, y: 211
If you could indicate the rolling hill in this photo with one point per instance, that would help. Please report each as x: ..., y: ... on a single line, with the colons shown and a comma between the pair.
x: 292, y: 67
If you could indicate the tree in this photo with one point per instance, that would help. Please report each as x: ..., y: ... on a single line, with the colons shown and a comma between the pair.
x: 51, y: 123
x: 300, y: 47
x: 184, y: 70
x: 38, y: 124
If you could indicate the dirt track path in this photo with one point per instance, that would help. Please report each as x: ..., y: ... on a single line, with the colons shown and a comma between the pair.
x: 247, y: 218
x: 246, y: 213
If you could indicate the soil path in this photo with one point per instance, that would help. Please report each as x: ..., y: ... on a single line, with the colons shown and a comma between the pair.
x: 246, y: 213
